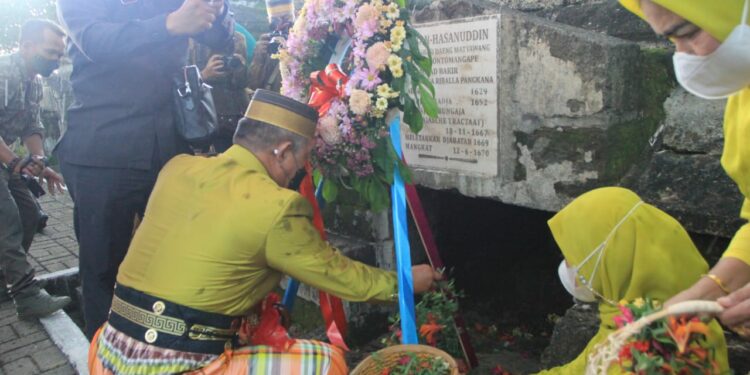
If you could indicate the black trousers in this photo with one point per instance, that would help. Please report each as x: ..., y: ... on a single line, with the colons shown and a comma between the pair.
x: 107, y: 201
x: 19, y: 216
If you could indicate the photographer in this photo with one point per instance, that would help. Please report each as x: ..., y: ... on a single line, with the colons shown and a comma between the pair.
x: 41, y: 47
x: 121, y: 127
x: 226, y: 72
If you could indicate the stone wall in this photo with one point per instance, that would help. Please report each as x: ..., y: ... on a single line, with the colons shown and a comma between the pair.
x: 587, y: 98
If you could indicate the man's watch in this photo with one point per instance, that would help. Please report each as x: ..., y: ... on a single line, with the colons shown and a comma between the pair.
x: 11, y: 166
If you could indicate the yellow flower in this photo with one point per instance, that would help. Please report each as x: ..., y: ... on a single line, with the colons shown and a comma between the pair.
x: 386, y: 24
x: 397, y: 72
x: 398, y: 33
x: 385, y: 91
x: 394, y: 62
x: 377, y: 113
x: 639, y: 302
x: 399, y: 23
x: 392, y: 11
x: 381, y: 104
x: 395, y: 47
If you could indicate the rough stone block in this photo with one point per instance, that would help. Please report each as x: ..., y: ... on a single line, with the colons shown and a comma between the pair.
x: 693, y: 125
x: 694, y: 189
x: 567, y: 99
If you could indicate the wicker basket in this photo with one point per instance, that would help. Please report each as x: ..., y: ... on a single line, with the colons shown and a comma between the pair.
x: 392, y: 354
x: 607, y: 352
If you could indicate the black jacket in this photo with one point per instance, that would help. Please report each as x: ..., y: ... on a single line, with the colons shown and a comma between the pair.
x: 124, y: 61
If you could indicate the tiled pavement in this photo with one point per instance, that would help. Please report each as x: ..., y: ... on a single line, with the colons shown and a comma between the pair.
x: 25, y: 348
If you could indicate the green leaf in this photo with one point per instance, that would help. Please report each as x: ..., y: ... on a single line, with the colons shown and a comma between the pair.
x: 405, y: 171
x: 398, y: 84
x: 412, y: 116
x: 425, y: 43
x: 317, y: 177
x: 413, y: 44
x: 330, y: 190
x: 428, y: 102
x: 379, y: 195
x: 425, y: 64
x: 421, y: 78
x: 401, y: 3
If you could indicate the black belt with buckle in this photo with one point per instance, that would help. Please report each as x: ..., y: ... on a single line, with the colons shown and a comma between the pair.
x: 170, y: 325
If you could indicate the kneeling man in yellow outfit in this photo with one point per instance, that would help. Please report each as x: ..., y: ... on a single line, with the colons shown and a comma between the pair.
x: 217, y: 236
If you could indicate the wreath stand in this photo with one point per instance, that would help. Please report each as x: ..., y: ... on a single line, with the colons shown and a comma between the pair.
x: 402, y: 195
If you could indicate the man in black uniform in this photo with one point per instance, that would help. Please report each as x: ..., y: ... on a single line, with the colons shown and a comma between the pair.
x: 41, y: 47
x: 121, y: 126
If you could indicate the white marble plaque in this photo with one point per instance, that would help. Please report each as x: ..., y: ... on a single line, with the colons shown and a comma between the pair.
x: 463, y: 138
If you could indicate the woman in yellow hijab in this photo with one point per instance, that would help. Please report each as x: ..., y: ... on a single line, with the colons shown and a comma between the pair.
x: 617, y: 247
x: 712, y: 60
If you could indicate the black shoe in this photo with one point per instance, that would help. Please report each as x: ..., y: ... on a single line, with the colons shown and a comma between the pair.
x: 43, y: 217
x: 39, y: 305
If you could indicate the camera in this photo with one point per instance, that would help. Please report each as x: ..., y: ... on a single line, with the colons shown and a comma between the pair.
x: 231, y: 62
x: 277, y: 38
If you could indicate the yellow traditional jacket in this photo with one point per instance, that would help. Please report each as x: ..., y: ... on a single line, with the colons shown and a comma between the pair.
x: 219, y: 233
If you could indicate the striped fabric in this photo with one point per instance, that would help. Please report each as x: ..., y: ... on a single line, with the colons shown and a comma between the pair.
x: 278, y: 9
x: 121, y: 354
x: 114, y: 353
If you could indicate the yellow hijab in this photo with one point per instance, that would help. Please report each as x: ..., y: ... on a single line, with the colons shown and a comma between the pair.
x: 719, y: 18
x: 649, y: 255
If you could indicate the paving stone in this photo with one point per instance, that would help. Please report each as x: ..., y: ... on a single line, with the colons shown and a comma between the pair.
x: 22, y: 341
x: 7, y: 334
x: 27, y: 351
x: 62, y: 370
x: 23, y: 328
x: 49, y: 358
x: 22, y: 366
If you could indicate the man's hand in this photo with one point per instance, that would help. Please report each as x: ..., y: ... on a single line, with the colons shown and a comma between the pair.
x: 34, y: 167
x: 737, y: 307
x: 424, y: 277
x: 193, y: 17
x: 55, y: 182
x: 214, y: 69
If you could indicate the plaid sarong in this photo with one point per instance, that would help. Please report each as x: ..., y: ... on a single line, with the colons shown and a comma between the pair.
x: 114, y: 353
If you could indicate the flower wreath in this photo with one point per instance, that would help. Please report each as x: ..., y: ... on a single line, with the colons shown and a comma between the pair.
x: 383, y: 70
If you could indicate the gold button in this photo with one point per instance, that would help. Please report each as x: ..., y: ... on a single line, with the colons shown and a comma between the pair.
x: 159, y: 307
x: 151, y: 336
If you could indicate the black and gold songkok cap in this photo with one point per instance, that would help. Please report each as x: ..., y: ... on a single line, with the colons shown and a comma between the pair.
x: 286, y: 113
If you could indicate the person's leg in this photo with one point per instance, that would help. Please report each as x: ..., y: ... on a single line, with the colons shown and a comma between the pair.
x: 17, y: 271
x: 27, y: 208
x: 304, y: 357
x: 106, y: 202
x: 30, y: 301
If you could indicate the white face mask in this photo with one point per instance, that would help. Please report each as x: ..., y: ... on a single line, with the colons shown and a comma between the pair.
x: 581, y: 288
x: 568, y: 278
x: 723, y: 72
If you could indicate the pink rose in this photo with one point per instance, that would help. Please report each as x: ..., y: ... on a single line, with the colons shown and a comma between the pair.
x: 359, y: 102
x: 377, y: 56
x: 328, y: 129
x: 366, y: 15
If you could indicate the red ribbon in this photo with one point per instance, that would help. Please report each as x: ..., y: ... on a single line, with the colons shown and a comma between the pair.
x: 428, y: 240
x: 330, y: 306
x: 325, y: 86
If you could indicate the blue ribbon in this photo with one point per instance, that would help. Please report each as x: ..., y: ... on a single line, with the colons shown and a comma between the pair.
x: 403, y: 250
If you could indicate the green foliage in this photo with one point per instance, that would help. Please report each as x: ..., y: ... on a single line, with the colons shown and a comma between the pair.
x: 413, y: 364
x: 437, y: 308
